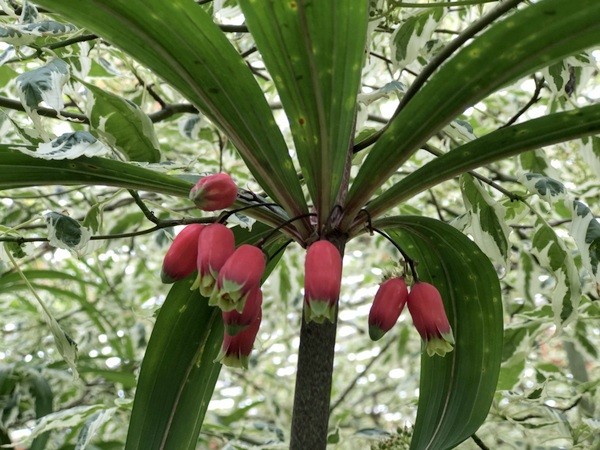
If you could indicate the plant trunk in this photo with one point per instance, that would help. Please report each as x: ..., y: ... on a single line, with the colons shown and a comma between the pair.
x: 310, y: 417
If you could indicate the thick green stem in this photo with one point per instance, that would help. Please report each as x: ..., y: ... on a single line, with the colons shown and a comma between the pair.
x: 310, y: 417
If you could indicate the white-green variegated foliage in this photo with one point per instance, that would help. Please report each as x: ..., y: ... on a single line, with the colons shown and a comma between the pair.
x: 77, y: 311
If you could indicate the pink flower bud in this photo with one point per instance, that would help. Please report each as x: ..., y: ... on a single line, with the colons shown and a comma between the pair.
x: 387, y: 306
x: 429, y: 317
x: 322, y: 281
x: 215, y: 247
x: 236, y: 322
x: 214, y: 192
x: 236, y: 349
x: 180, y: 260
x: 239, y: 275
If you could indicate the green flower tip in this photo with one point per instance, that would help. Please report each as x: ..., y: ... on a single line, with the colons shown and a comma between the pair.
x: 318, y: 311
x: 375, y: 333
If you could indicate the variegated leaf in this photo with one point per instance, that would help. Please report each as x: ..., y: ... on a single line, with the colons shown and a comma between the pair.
x: 124, y: 125
x: 65, y: 232
x: 412, y: 35
x: 585, y: 230
x: 590, y: 151
x: 485, y: 220
x: 546, y: 188
x: 69, y: 146
x: 43, y: 85
x: 552, y: 255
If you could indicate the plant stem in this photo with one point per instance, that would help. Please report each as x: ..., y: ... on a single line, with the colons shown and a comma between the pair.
x: 310, y: 417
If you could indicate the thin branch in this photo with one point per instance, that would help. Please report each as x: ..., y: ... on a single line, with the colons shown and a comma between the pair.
x: 166, y: 112
x: 438, y: 60
x: 479, y: 442
x: 138, y: 201
x: 539, y: 84
x: 100, y: 237
x: 484, y: 179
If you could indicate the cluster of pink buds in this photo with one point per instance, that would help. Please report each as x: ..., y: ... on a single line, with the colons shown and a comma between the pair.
x: 229, y: 277
x: 425, y: 306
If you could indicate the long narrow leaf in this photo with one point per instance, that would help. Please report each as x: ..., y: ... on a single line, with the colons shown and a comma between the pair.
x: 529, y: 39
x: 456, y: 390
x: 178, y: 376
x: 19, y: 170
x: 314, y: 51
x: 499, y: 144
x: 179, y: 41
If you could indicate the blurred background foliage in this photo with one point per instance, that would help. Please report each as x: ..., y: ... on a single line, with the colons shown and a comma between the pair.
x: 106, y: 298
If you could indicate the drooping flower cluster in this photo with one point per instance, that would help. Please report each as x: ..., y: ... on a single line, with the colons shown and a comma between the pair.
x: 228, y: 277
x: 425, y: 306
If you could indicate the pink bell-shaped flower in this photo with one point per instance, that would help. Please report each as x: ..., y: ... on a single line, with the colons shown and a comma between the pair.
x: 387, y: 306
x: 322, y: 281
x: 236, y: 322
x: 236, y: 350
x: 214, y: 192
x: 215, y: 247
x: 239, y: 275
x: 180, y: 260
x: 429, y: 317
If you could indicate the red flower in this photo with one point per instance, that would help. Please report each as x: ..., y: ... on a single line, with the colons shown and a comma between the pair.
x: 387, y: 306
x: 322, y: 281
x: 180, y: 260
x: 239, y: 275
x: 214, y: 192
x: 215, y: 247
x: 236, y: 322
x: 236, y: 349
x: 429, y: 317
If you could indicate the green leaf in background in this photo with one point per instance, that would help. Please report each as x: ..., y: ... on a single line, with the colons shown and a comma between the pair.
x: 42, y: 392
x: 456, y: 391
x: 552, y: 255
x: 486, y: 222
x: 499, y: 144
x: 123, y: 125
x: 315, y: 53
x: 182, y: 45
x: 518, y: 45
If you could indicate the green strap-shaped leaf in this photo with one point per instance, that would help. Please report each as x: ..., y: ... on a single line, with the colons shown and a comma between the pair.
x: 19, y: 170
x: 179, y: 42
x: 530, y: 38
x: 491, y: 147
x: 456, y: 391
x: 178, y: 374
x: 124, y: 125
x: 314, y: 51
